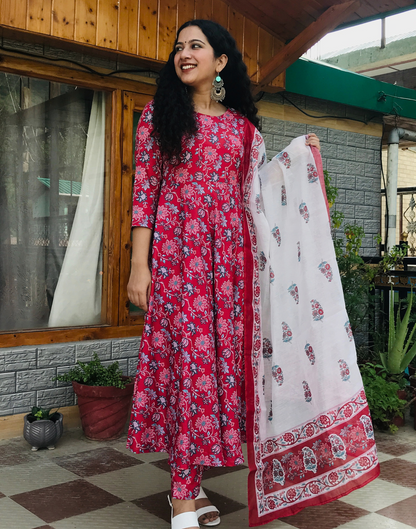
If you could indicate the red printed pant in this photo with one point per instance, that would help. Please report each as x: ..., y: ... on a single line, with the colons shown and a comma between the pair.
x: 185, y: 483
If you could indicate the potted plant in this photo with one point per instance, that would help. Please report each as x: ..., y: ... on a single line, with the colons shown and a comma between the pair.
x: 399, y: 352
x: 104, y: 397
x: 42, y: 429
x: 386, y: 407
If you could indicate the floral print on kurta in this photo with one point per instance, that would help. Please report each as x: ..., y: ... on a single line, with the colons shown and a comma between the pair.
x: 188, y: 398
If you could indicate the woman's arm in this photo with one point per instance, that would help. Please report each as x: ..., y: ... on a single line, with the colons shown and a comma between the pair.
x: 138, y: 288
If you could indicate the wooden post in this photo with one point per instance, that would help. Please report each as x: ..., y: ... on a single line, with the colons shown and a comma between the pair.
x: 330, y: 19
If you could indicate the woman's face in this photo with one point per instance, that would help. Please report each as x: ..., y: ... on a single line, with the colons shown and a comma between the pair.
x: 195, y: 62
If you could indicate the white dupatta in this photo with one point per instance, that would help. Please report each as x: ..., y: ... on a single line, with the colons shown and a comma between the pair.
x: 310, y: 437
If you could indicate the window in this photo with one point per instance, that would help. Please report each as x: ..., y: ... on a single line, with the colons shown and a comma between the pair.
x: 65, y: 205
x: 52, y: 170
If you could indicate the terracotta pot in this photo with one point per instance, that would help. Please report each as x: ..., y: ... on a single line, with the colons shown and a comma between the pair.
x: 103, y: 409
x: 43, y: 433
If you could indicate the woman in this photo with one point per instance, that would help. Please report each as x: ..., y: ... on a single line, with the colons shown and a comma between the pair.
x: 193, y: 152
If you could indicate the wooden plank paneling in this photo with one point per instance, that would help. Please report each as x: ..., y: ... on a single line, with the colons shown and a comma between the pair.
x: 86, y: 21
x: 63, y: 19
x: 236, y: 27
x: 107, y: 23
x: 220, y: 12
x: 266, y: 47
x: 331, y: 18
x: 148, y: 28
x: 39, y: 16
x: 203, y: 9
x: 13, y: 13
x: 279, y: 81
x: 128, y: 26
x: 251, y: 46
x: 186, y: 11
x: 167, y: 28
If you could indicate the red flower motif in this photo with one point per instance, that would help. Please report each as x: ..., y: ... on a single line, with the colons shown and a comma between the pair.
x: 291, y: 495
x: 333, y: 478
x: 289, y: 438
x: 364, y: 462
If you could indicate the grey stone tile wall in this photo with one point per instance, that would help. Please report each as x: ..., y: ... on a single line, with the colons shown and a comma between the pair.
x: 26, y: 373
x: 351, y: 159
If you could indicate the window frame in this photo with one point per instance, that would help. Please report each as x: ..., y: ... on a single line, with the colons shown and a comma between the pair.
x: 127, y: 96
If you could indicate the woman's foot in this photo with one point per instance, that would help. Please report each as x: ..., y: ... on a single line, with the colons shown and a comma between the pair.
x: 181, y: 506
x: 209, y: 516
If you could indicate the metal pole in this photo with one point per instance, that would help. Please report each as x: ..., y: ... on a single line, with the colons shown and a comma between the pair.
x: 392, y: 173
x: 391, y: 190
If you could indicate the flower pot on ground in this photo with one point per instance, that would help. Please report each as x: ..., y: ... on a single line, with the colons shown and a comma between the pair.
x: 103, y: 409
x: 42, y: 429
x: 104, y: 398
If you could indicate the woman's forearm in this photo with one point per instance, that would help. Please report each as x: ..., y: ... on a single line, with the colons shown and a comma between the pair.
x: 141, y: 238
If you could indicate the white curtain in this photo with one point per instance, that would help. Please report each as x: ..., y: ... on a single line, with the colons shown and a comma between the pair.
x: 77, y: 299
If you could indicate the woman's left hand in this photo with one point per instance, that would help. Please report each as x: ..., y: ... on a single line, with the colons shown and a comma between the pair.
x: 313, y: 141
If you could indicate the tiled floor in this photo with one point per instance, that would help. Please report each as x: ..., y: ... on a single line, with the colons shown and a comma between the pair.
x: 85, y: 485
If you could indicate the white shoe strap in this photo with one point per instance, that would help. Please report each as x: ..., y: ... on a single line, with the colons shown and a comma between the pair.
x: 205, y: 510
x: 185, y: 520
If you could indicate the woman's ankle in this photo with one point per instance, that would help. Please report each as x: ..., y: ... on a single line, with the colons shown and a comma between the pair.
x: 180, y: 506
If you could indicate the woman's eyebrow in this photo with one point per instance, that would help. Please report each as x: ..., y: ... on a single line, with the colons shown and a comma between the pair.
x: 193, y: 40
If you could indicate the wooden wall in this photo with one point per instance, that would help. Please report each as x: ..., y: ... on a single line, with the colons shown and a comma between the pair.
x: 145, y: 28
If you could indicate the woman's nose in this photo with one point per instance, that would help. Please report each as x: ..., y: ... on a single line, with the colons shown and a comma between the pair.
x: 185, y: 53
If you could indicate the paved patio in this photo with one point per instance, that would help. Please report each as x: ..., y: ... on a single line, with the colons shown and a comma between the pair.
x: 85, y: 485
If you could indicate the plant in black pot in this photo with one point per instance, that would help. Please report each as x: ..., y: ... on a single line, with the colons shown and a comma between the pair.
x: 104, y: 397
x: 42, y: 429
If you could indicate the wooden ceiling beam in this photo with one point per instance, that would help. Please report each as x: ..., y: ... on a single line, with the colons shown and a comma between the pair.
x: 329, y: 20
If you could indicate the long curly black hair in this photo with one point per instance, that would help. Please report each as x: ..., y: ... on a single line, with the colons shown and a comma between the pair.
x: 174, y: 115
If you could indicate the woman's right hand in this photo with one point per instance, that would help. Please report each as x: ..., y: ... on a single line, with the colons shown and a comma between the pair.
x: 138, y: 287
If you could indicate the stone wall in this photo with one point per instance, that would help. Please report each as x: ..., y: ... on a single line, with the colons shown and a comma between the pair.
x: 352, y: 160
x: 26, y: 373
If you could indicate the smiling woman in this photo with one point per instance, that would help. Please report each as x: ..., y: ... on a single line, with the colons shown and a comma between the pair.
x: 199, y: 220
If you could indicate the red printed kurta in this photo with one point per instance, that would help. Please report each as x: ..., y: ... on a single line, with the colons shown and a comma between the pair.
x: 188, y: 398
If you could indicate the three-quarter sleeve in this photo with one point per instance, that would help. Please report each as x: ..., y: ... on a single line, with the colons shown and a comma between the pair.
x: 147, y: 176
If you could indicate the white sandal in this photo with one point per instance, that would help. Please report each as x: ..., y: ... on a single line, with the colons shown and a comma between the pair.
x: 184, y: 520
x: 205, y: 510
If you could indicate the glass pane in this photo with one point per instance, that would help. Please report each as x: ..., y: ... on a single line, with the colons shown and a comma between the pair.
x: 51, y: 203
x: 136, y: 117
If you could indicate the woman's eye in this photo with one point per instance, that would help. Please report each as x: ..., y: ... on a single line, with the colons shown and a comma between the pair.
x: 178, y: 48
x: 196, y: 46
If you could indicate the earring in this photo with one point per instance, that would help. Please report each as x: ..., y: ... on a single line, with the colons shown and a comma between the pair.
x: 218, y: 90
